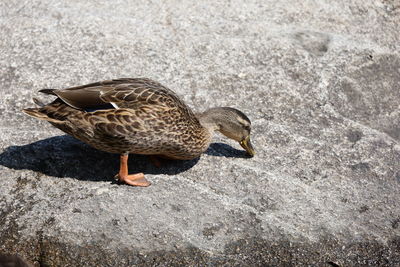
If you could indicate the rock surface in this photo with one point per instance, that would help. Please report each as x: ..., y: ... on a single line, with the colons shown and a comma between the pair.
x: 320, y: 81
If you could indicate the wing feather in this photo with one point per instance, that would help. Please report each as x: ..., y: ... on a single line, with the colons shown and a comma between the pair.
x: 120, y: 93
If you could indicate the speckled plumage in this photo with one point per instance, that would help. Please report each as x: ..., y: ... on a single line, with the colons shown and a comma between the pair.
x: 137, y: 116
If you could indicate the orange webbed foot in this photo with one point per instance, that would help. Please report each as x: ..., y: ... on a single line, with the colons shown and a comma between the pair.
x: 133, y: 179
x: 130, y: 179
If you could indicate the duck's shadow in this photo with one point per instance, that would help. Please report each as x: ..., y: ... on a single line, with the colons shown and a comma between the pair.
x: 64, y: 156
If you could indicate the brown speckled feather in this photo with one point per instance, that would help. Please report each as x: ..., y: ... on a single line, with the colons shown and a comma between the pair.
x: 146, y: 118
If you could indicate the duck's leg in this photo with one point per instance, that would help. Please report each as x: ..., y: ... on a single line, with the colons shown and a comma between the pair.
x: 155, y: 160
x: 160, y: 160
x: 132, y: 179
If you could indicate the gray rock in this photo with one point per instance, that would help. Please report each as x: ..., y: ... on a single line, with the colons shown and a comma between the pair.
x: 319, y: 80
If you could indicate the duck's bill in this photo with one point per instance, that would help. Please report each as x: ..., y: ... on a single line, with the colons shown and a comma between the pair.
x: 246, y: 144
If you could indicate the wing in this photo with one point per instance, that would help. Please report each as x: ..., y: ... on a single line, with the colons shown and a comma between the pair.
x: 120, y: 93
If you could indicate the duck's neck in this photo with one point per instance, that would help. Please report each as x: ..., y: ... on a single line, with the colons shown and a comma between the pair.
x: 210, y: 120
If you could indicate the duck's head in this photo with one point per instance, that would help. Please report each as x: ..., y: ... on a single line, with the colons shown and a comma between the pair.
x: 232, y: 123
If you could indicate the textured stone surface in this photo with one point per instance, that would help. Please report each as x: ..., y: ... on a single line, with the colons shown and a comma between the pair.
x: 320, y: 81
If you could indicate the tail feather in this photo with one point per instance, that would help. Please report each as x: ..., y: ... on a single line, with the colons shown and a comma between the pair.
x: 35, y: 112
x: 38, y: 102
x: 48, y: 91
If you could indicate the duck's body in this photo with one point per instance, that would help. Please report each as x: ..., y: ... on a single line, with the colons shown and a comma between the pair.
x: 136, y: 116
x: 125, y: 116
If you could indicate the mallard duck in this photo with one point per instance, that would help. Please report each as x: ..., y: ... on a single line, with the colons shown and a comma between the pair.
x: 139, y: 116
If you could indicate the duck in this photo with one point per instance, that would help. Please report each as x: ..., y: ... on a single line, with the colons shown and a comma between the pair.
x: 139, y: 116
